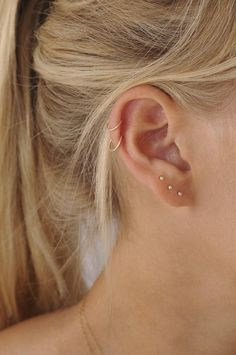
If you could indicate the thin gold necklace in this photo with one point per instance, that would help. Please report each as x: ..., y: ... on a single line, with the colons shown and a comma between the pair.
x: 88, y: 333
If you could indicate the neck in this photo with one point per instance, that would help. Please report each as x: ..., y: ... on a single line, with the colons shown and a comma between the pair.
x: 171, y: 295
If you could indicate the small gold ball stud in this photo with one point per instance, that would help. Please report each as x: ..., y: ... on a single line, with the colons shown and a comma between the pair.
x: 179, y: 193
x: 170, y: 187
x: 161, y: 177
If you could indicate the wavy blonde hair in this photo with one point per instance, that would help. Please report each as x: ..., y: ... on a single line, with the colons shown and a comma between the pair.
x: 63, y: 64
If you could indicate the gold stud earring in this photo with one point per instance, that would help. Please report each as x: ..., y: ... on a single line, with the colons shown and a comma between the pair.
x: 111, y: 143
x: 170, y: 187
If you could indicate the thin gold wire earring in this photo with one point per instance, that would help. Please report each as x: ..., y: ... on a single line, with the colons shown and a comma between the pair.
x: 118, y: 144
x: 112, y: 129
x: 114, y: 149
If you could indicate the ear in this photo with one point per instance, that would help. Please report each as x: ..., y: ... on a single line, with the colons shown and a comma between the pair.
x: 149, y: 125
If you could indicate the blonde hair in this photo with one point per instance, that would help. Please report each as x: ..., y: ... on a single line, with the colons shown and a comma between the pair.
x: 63, y: 64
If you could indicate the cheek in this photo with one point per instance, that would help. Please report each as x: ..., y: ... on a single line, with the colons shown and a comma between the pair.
x: 222, y: 167
x: 216, y: 185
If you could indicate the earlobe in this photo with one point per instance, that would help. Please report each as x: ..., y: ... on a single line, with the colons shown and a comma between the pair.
x: 142, y: 130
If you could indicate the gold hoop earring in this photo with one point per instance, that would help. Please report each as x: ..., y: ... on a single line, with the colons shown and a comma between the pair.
x: 112, y: 129
x: 118, y: 144
x: 114, y: 149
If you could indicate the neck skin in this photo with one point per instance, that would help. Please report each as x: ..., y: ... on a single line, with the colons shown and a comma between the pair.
x: 172, y: 292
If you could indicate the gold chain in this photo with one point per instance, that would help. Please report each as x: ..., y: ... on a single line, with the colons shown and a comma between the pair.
x: 88, y: 331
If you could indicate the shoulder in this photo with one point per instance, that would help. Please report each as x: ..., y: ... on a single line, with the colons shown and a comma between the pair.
x: 57, y: 333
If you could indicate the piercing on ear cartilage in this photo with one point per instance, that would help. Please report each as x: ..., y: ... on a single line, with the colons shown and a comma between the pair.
x: 111, y: 143
x: 114, y: 149
x: 112, y: 129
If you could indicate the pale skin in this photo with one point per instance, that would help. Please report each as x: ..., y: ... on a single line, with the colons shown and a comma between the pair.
x: 174, y: 267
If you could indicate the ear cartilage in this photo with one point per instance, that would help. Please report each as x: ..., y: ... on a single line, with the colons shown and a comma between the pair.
x: 179, y: 193
x: 170, y: 187
x: 161, y: 177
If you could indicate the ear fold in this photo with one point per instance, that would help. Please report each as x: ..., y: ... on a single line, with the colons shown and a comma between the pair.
x: 147, y: 120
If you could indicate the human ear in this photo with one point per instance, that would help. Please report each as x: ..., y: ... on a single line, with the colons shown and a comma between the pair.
x: 148, y: 124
